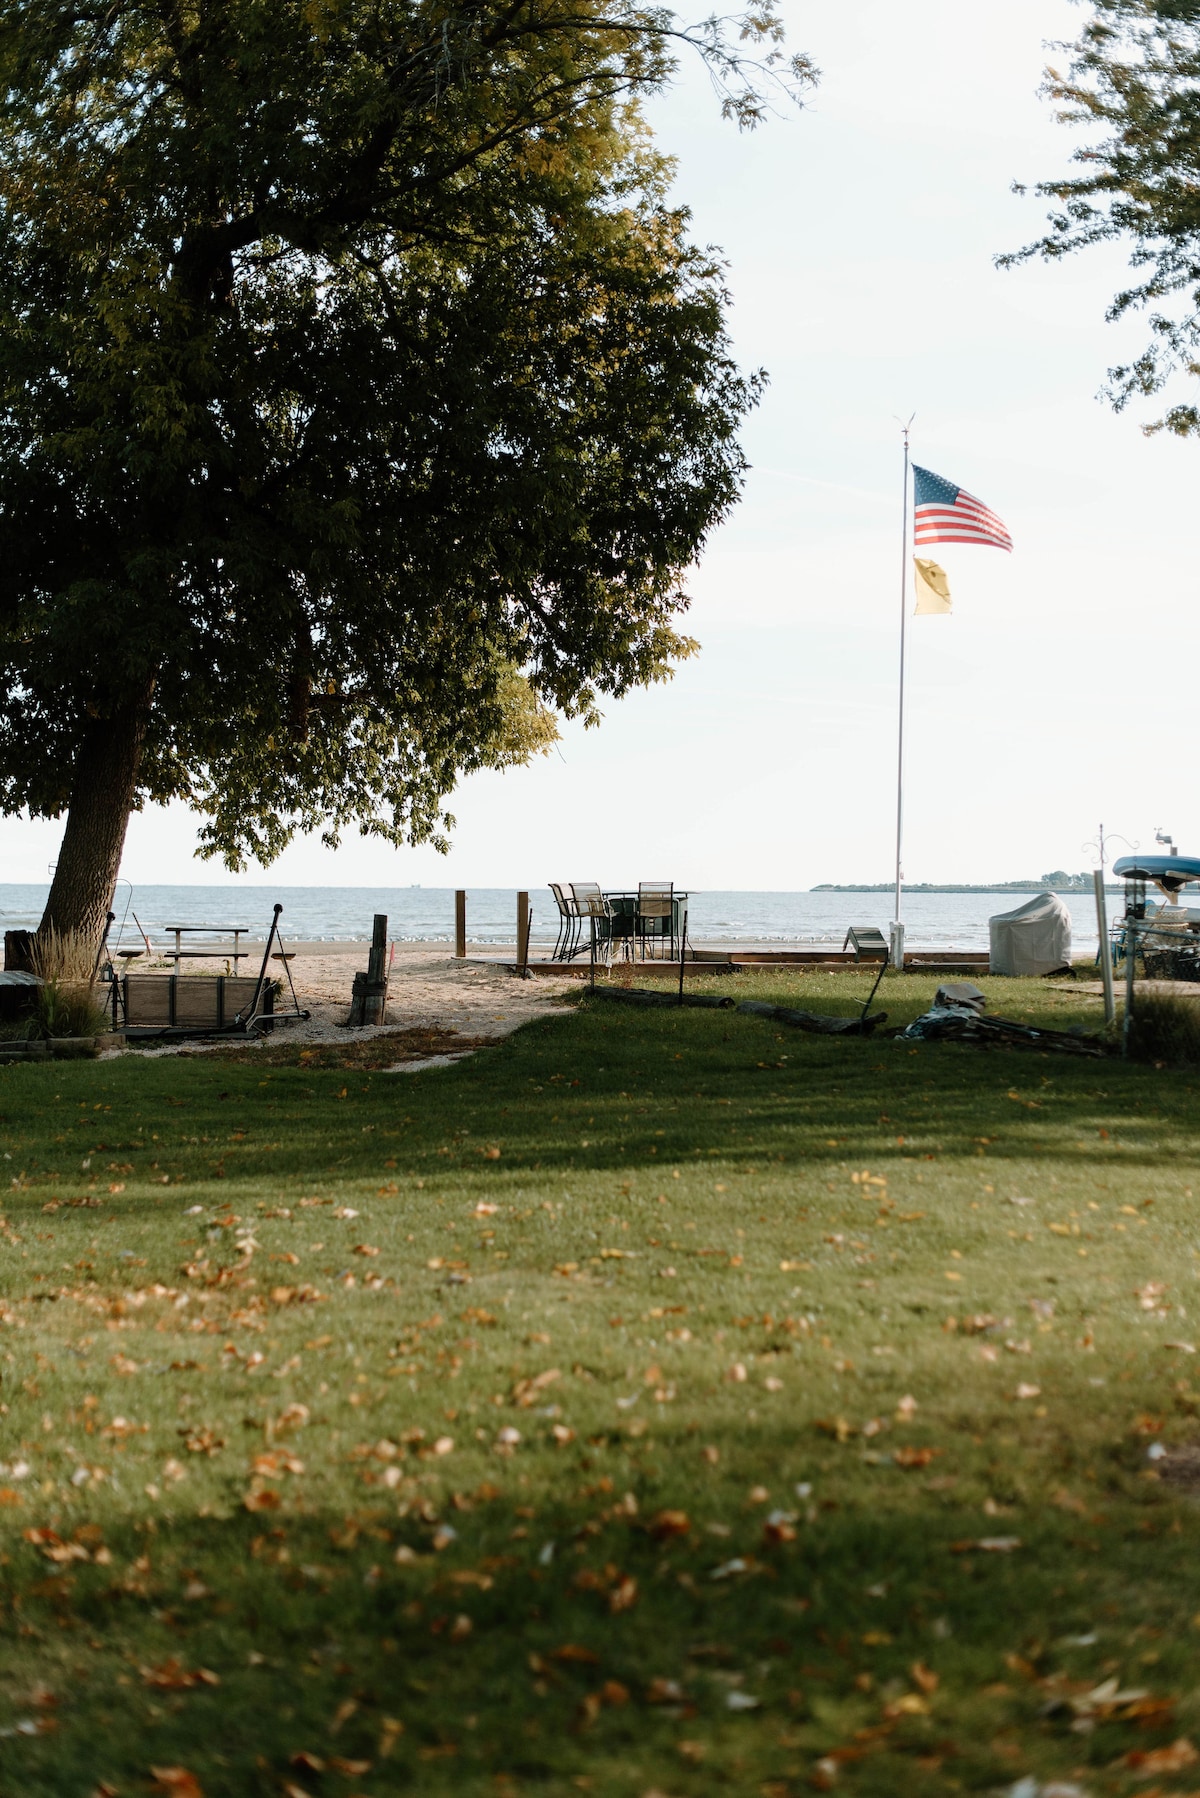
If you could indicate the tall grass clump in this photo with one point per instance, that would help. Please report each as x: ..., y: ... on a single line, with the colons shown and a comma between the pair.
x: 67, y: 1003
x: 1164, y: 1027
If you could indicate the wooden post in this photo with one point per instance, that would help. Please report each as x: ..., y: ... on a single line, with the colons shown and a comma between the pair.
x: 368, y: 1001
x: 524, y: 917
x: 18, y: 951
x: 375, y: 967
x: 460, y: 925
x: 375, y: 998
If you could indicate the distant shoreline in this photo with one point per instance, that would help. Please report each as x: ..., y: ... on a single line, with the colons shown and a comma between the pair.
x: 1000, y: 888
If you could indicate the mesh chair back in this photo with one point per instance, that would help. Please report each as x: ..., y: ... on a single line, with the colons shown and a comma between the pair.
x: 655, y: 898
x: 589, y: 898
x: 560, y: 899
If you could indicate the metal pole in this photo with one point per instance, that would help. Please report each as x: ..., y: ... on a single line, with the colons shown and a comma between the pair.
x: 1130, y: 957
x: 897, y: 956
x: 1110, y: 1003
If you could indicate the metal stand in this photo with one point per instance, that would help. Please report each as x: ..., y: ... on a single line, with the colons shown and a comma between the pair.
x: 682, y: 953
x: 1110, y: 1003
x: 1130, y: 959
x: 246, y: 1020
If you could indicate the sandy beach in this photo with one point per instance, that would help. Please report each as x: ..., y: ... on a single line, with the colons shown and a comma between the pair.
x: 429, y: 989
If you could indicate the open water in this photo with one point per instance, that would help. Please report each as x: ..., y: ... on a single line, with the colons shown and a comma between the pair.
x: 426, y: 914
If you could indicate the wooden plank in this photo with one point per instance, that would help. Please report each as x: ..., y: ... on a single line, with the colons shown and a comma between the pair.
x: 147, y: 998
x: 197, y: 1003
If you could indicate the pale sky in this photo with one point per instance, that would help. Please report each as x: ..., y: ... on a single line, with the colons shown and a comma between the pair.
x: 860, y: 237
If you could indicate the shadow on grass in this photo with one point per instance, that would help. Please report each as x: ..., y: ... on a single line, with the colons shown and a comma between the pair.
x: 605, y: 1634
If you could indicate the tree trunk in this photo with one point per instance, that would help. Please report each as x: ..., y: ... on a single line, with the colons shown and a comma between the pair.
x: 102, y: 795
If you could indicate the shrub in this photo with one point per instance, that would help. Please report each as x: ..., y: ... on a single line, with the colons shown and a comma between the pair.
x: 67, y: 1001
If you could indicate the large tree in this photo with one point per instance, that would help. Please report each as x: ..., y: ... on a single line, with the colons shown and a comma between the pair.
x: 361, y: 399
x: 1133, y: 76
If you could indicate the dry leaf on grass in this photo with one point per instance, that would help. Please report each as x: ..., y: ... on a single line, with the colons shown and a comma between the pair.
x: 177, y: 1781
x: 172, y: 1676
x: 914, y: 1457
x: 1145, y: 1762
x: 665, y: 1524
x: 264, y: 1499
x: 623, y: 1595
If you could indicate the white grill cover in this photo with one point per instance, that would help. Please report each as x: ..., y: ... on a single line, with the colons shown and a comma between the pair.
x: 1033, y: 939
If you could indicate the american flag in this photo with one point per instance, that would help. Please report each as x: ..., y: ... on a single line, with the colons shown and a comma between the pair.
x: 944, y: 513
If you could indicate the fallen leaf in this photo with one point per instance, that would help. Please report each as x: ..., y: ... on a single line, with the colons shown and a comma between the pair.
x: 623, y: 1595
x: 177, y: 1781
x: 1146, y: 1762
x: 172, y: 1676
x: 914, y: 1457
x: 910, y: 1704
x: 666, y: 1524
x: 262, y: 1499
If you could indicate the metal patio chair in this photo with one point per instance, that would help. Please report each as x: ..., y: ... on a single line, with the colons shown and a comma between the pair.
x: 655, y: 917
x: 595, y: 908
x: 569, y: 923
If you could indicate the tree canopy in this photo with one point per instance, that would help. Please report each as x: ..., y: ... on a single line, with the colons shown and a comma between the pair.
x: 1134, y: 72
x: 361, y: 398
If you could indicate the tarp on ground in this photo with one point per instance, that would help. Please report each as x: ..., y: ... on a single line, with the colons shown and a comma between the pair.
x: 1033, y: 939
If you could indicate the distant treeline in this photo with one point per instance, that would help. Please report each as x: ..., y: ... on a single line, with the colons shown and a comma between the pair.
x: 1058, y: 882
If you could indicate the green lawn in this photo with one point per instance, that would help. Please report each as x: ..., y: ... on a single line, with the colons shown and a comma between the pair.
x: 655, y: 1402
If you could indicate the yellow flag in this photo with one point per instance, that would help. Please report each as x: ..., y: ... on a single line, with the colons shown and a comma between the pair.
x: 933, y: 589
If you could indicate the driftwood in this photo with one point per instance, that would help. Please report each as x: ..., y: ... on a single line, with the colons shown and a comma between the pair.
x: 812, y: 1021
x: 639, y: 995
x: 780, y: 1014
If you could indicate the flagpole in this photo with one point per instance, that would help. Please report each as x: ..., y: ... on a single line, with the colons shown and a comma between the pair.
x: 897, y: 950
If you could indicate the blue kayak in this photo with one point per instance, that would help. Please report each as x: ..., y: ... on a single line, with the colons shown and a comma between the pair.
x: 1170, y: 872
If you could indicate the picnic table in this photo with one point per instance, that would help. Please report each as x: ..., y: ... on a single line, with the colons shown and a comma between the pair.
x: 179, y: 953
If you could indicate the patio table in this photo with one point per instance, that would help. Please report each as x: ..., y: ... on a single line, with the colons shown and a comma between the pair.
x: 623, y: 926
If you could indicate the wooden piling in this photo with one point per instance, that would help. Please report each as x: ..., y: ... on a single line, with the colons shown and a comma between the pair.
x: 368, y: 1003
x: 524, y: 920
x: 460, y: 925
